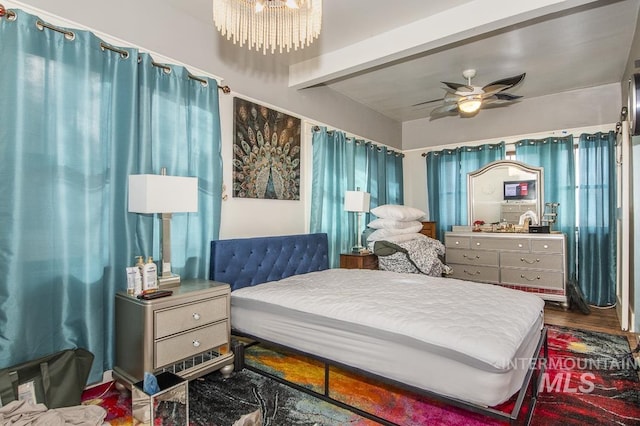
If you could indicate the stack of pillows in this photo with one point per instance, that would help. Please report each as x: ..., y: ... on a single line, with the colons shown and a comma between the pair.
x: 395, y: 223
x: 400, y: 225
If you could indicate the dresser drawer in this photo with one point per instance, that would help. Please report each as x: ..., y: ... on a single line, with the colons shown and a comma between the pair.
x: 457, y: 241
x: 184, y: 317
x: 489, y: 274
x: 472, y: 257
x: 532, y: 260
x: 546, y: 246
x: 538, y: 279
x: 190, y: 343
x: 512, y: 244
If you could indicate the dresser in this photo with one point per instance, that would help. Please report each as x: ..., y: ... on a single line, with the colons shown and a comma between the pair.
x: 187, y: 333
x: 358, y: 261
x: 531, y: 262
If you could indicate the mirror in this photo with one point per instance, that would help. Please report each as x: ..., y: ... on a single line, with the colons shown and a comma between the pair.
x: 503, y: 190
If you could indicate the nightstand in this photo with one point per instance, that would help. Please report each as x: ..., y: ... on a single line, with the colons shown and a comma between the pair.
x: 187, y: 333
x: 358, y: 261
x: 429, y: 229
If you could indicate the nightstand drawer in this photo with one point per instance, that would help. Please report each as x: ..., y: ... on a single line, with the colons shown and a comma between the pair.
x: 184, y: 317
x: 358, y: 261
x: 188, y: 344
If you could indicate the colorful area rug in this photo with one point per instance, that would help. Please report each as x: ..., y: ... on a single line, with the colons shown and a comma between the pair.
x: 591, y: 379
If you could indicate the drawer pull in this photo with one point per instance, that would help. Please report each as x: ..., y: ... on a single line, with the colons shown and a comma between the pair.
x: 471, y: 273
x: 196, y: 343
x: 196, y: 316
x: 471, y: 258
x: 522, y: 259
x: 457, y: 242
x: 477, y: 244
x: 530, y: 279
x: 519, y: 245
x: 546, y: 246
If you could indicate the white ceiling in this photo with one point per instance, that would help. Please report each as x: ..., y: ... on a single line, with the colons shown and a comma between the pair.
x: 390, y: 56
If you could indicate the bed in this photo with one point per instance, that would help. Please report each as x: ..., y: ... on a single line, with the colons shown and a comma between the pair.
x: 470, y: 344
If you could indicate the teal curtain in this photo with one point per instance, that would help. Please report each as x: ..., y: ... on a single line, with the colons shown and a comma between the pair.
x: 343, y: 164
x: 597, y: 218
x: 77, y: 120
x: 384, y: 167
x: 556, y: 157
x: 447, y: 181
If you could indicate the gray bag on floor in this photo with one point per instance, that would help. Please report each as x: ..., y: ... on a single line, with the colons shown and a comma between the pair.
x: 56, y: 380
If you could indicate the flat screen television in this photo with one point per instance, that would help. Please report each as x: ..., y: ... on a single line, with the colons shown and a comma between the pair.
x: 519, y: 190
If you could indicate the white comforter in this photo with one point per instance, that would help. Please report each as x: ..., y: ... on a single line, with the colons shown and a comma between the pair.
x: 484, y: 322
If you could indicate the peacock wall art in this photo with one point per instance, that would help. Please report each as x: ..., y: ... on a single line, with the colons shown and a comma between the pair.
x: 266, y: 152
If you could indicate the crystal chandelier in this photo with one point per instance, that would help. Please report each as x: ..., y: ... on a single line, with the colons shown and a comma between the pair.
x: 269, y: 24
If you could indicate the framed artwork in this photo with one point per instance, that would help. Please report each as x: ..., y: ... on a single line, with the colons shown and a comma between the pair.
x: 266, y: 152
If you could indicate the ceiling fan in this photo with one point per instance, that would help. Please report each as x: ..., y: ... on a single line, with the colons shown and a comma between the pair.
x: 466, y: 100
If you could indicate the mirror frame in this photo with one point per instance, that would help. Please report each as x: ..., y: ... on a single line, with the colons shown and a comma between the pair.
x: 538, y: 171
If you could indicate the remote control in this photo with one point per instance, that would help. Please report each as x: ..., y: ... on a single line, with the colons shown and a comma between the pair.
x: 155, y: 294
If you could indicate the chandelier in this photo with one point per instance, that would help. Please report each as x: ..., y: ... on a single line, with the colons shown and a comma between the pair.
x: 269, y: 24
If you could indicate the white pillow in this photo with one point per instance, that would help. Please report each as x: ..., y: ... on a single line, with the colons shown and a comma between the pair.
x: 382, y: 234
x: 392, y: 224
x: 397, y: 212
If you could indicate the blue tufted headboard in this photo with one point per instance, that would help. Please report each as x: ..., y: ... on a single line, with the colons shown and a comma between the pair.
x: 245, y: 262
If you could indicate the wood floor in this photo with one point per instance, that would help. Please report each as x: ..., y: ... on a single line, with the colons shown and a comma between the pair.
x: 602, y: 320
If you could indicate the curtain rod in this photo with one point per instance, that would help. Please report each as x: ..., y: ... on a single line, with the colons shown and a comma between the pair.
x: 70, y: 35
x: 359, y: 141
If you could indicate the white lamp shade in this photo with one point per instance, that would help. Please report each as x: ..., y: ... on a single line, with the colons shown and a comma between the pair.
x: 163, y: 194
x: 357, y: 201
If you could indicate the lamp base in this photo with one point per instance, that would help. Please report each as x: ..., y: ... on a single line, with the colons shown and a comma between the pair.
x: 172, y: 280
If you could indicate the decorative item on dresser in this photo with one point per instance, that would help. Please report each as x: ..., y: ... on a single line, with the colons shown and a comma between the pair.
x: 429, y: 229
x: 187, y: 334
x: 531, y: 262
x: 358, y: 261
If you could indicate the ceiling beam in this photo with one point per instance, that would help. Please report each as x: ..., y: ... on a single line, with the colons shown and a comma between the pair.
x: 453, y: 25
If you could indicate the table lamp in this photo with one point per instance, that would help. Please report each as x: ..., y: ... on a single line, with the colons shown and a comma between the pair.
x: 357, y: 202
x: 164, y: 195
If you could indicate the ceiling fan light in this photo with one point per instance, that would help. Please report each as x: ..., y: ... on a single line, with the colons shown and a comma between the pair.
x: 469, y: 104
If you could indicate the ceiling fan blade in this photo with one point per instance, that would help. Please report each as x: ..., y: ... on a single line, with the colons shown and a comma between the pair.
x: 493, y: 89
x: 509, y: 81
x: 457, y: 87
x: 451, y: 98
x: 499, y: 99
x: 507, y: 97
x: 427, y: 102
x: 443, y: 110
